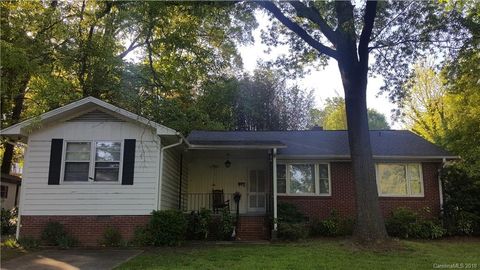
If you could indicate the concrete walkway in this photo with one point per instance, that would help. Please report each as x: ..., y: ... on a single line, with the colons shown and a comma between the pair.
x: 70, y: 259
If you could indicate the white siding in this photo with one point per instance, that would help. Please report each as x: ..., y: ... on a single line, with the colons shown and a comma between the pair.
x: 39, y: 198
x: 170, y: 179
x: 9, y: 202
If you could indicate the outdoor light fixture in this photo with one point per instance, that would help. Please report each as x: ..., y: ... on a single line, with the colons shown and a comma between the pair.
x: 228, y: 163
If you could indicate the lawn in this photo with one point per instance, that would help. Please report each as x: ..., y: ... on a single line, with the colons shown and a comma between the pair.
x: 315, y: 254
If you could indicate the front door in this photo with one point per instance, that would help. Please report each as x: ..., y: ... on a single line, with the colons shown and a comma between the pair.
x: 256, y: 191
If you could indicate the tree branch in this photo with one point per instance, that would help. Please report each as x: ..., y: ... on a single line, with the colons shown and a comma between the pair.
x: 313, y: 15
x: 130, y: 48
x: 297, y: 29
x: 368, y: 20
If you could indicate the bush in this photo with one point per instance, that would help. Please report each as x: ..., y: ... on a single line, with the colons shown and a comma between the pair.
x: 52, y: 233
x: 288, y: 213
x: 198, y: 224
x: 28, y: 242
x: 332, y: 226
x: 404, y: 223
x: 167, y: 227
x: 8, y: 221
x: 142, y: 237
x: 400, y: 222
x: 227, y: 224
x: 66, y: 241
x: 291, y: 231
x: 461, y: 201
x: 112, y: 238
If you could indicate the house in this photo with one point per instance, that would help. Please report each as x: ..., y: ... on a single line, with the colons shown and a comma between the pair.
x: 10, y: 190
x: 91, y: 165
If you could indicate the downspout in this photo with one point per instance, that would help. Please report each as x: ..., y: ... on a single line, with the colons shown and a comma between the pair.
x: 22, y: 197
x: 181, y: 182
x: 440, y: 186
x: 160, y: 177
x: 274, y: 165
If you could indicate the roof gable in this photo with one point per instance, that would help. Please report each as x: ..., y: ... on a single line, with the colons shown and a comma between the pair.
x: 87, y: 108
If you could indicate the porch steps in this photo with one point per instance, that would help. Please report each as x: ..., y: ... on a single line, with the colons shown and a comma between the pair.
x: 253, y: 228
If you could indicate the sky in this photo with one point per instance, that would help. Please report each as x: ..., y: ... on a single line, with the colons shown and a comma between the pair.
x: 324, y: 83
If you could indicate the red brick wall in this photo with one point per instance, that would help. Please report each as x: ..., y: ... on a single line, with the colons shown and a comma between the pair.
x: 342, y: 198
x: 87, y: 229
x: 253, y: 228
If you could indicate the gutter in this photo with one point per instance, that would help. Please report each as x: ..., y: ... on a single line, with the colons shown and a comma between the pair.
x: 160, y: 176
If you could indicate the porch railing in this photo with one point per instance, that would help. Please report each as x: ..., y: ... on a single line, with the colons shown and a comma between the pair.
x: 196, y: 201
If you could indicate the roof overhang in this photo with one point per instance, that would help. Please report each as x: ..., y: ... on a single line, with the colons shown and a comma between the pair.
x: 23, y: 129
x: 376, y: 157
x: 232, y: 145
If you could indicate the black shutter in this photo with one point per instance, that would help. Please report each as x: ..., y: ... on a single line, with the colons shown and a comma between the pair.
x: 128, y: 161
x: 55, y: 162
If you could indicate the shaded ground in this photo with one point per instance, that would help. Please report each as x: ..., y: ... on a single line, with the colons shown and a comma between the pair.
x: 314, y: 254
x: 70, y: 259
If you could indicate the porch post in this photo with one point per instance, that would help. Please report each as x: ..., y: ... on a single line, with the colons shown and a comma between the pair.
x: 274, y: 161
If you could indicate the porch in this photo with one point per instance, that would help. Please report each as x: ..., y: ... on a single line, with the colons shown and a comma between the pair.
x: 215, y: 176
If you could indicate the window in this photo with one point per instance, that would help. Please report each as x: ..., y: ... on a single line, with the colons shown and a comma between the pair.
x: 281, y: 178
x: 4, y: 192
x: 397, y: 179
x: 107, y: 161
x: 303, y: 179
x: 92, y: 161
x: 77, y: 161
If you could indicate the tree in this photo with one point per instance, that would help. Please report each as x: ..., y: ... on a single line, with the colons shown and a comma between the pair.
x: 334, y: 116
x: 423, y: 105
x: 348, y: 34
x: 259, y: 102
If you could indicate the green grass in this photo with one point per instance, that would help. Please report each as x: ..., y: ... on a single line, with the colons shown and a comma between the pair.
x: 317, y: 254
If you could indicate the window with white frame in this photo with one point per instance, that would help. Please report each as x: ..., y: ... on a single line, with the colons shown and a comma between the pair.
x: 92, y: 161
x: 303, y: 178
x: 77, y: 161
x: 399, y: 179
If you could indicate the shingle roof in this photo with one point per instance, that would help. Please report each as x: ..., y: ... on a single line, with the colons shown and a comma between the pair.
x: 333, y: 143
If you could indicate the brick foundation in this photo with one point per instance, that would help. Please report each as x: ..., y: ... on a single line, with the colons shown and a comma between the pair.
x: 343, y: 195
x: 87, y: 229
x: 253, y: 228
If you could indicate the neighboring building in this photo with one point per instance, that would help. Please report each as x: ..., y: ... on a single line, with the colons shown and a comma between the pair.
x: 10, y: 191
x: 91, y: 165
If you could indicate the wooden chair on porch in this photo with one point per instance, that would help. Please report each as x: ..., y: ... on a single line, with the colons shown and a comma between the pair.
x: 218, y: 200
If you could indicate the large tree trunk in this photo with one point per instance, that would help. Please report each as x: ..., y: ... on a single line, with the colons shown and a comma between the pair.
x: 16, y: 113
x: 370, y: 226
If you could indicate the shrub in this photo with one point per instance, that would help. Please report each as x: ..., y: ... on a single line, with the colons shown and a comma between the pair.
x: 291, y: 231
x: 334, y: 225
x: 53, y: 232
x: 66, y: 241
x: 462, y: 203
x: 8, y: 220
x: 167, y: 227
x: 227, y: 224
x: 288, y: 213
x: 142, y: 237
x: 28, y: 242
x: 112, y: 237
x: 198, y: 224
x: 400, y: 222
x: 405, y: 223
x: 10, y: 243
x: 215, y: 229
